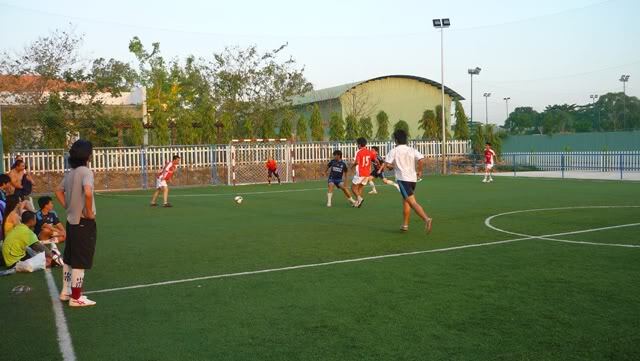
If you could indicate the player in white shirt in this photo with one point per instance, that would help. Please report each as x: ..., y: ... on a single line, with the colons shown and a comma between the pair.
x: 403, y: 160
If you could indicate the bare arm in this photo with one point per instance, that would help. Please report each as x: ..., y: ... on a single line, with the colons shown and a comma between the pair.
x: 88, y: 202
x: 420, y: 167
x: 15, y: 181
x: 60, y: 197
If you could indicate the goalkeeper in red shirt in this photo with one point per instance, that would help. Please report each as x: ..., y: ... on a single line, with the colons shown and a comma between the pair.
x: 272, y: 168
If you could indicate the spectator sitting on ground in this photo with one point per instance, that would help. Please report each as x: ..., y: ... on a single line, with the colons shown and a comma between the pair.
x: 21, y: 243
x: 12, y: 213
x: 21, y: 181
x: 5, y: 184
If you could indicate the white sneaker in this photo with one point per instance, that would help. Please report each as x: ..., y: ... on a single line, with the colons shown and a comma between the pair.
x: 328, y: 204
x: 81, y: 302
x: 373, y: 192
x: 64, y: 297
x: 484, y: 180
x: 490, y: 179
x: 397, y: 187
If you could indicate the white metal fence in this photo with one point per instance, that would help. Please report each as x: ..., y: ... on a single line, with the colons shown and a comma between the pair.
x: 204, y: 156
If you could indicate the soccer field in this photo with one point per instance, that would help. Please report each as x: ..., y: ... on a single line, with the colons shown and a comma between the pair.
x: 518, y: 269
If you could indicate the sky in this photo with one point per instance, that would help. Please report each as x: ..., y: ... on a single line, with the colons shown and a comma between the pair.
x: 535, y: 52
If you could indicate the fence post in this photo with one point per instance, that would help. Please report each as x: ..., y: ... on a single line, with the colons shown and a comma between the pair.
x: 143, y: 166
x: 562, y: 164
x: 214, y: 169
x: 514, y: 164
x: 621, y: 164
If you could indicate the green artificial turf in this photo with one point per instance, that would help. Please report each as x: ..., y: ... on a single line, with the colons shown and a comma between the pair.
x: 526, y: 300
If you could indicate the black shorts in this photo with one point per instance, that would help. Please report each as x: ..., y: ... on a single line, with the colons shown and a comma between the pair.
x: 407, y: 189
x: 273, y: 173
x: 375, y: 174
x: 80, y: 244
x: 336, y: 181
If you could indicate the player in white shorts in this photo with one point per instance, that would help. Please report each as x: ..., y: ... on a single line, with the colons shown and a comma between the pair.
x: 489, y: 161
x: 161, y: 181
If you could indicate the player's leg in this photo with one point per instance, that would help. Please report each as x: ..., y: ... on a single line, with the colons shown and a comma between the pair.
x: 277, y: 176
x: 373, y: 185
x: 165, y: 196
x: 413, y: 203
x: 390, y: 182
x: 491, y: 173
x: 269, y: 176
x: 486, y: 174
x: 406, y: 213
x: 79, y: 254
x: 330, y: 193
x: 347, y: 194
x: 155, y: 195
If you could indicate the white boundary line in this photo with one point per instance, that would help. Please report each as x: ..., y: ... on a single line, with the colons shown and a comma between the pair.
x: 214, y: 194
x: 362, y: 259
x: 64, y: 337
x: 487, y: 222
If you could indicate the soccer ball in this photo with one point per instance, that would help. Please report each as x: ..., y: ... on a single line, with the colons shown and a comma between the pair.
x: 238, y: 199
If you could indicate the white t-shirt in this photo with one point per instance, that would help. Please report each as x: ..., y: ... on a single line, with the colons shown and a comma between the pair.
x: 404, y: 158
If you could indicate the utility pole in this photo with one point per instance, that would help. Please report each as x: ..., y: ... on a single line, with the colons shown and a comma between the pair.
x: 506, y: 100
x: 624, y: 79
x: 472, y: 72
x: 442, y: 24
x: 486, y: 108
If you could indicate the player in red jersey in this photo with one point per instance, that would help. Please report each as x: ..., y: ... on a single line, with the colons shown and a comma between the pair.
x: 362, y: 165
x: 165, y: 176
x: 272, y: 168
x: 489, y: 161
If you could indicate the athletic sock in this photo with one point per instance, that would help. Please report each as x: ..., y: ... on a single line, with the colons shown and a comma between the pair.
x: 77, y: 279
x: 329, y: 197
x: 66, y: 279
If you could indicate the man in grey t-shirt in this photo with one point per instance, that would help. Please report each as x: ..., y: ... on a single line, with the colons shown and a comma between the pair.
x: 75, y: 193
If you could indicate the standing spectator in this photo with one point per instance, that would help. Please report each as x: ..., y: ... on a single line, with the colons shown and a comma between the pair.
x: 75, y: 193
x: 164, y: 177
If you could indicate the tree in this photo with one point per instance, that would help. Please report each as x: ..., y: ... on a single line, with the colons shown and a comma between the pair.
x: 336, y: 127
x: 208, y: 129
x: 383, y: 126
x: 478, y: 139
x: 401, y: 124
x: 268, y: 126
x: 351, y: 128
x: 317, y: 131
x: 523, y: 120
x: 461, y: 130
x: 438, y: 112
x: 137, y: 131
x: 301, y: 129
x: 358, y: 102
x: 248, y: 129
x: 285, y: 128
x: 429, y: 125
x: 365, y: 128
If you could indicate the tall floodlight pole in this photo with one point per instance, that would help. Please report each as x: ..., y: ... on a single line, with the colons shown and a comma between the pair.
x: 442, y: 24
x: 486, y: 108
x: 624, y: 79
x: 472, y: 72
x: 506, y: 101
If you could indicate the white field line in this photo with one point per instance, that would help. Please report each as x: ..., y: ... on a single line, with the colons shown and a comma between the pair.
x: 64, y: 337
x: 353, y: 260
x: 487, y: 222
x: 215, y: 194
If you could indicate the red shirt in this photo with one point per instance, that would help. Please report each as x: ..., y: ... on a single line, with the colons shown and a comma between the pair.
x: 271, y: 164
x: 363, y: 158
x: 167, y: 171
x: 489, y: 156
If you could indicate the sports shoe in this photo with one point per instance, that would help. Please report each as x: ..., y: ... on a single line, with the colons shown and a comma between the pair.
x: 328, y: 204
x: 360, y: 203
x: 427, y: 225
x: 404, y: 229
x: 57, y: 259
x: 484, y: 180
x: 490, y: 179
x: 167, y: 205
x: 373, y: 192
x: 153, y: 204
x: 397, y: 187
x: 64, y: 297
x: 83, y: 301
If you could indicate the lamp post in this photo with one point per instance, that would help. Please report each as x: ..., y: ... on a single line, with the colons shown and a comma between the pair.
x: 506, y: 101
x: 442, y: 24
x: 594, y: 99
x: 486, y: 108
x: 472, y: 72
x: 624, y: 79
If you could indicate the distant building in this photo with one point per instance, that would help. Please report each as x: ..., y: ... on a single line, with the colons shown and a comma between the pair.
x: 402, y: 97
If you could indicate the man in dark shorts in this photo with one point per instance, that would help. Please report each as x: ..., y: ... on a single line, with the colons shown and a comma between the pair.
x: 337, y: 170
x: 272, y: 170
x: 403, y: 160
x: 75, y: 193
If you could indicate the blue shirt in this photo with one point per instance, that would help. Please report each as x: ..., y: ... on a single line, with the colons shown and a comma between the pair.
x: 42, y: 219
x: 337, y: 168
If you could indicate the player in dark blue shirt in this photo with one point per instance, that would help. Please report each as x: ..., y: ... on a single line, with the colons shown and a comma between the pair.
x: 48, y: 227
x: 377, y: 172
x: 337, y: 170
